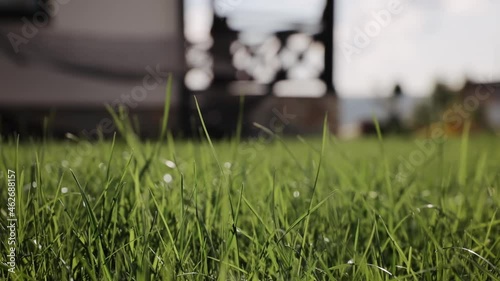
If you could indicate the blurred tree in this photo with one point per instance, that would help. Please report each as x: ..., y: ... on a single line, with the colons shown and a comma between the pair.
x: 422, y: 116
x: 394, y: 123
x: 444, y: 100
x: 431, y: 111
x: 441, y: 99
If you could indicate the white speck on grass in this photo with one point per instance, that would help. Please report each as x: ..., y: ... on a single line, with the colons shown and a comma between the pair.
x: 373, y: 194
x: 102, y: 166
x: 167, y: 178
x: 34, y: 185
x: 170, y: 164
x: 326, y: 239
x: 70, y: 136
x: 64, y: 190
x: 296, y: 194
x: 350, y: 262
x: 227, y: 165
x: 36, y: 244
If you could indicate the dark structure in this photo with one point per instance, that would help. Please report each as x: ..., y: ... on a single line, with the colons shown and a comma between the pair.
x: 91, y: 53
x: 289, y: 71
x: 18, y: 8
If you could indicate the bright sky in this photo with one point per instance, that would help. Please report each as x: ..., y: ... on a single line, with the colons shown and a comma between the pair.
x: 422, y: 42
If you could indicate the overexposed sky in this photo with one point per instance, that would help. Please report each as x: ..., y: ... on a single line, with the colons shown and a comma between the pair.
x: 423, y: 41
x: 429, y: 40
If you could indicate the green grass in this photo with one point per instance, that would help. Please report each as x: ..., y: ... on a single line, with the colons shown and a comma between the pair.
x: 262, y: 209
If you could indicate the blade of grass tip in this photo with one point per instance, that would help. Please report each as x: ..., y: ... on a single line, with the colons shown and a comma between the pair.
x: 37, y: 177
x: 381, y: 269
x: 58, y: 188
x: 271, y: 133
x: 207, y: 135
x: 356, y: 237
x: 19, y: 191
x: 303, y: 216
x: 480, y: 245
x: 369, y: 242
x: 266, y: 130
x: 17, y: 160
x: 91, y: 214
x: 386, y: 164
x: 402, y: 254
x: 165, y: 224
x: 302, y: 140
x: 232, y: 236
x: 480, y: 167
x: 252, y: 209
x: 475, y: 254
x: 113, y: 214
x: 200, y: 226
x: 98, y: 234
x: 490, y: 225
x: 122, y: 122
x: 182, y: 227
x: 163, y: 128
x: 147, y: 238
x: 110, y: 157
x: 166, y: 108
x: 239, y: 126
x: 236, y: 216
x: 306, y: 227
x: 462, y: 172
x: 136, y: 124
x: 273, y: 202
x: 116, y: 119
x: 171, y: 147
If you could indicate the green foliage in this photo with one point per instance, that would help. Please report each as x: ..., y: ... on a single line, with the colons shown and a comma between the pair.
x: 304, y: 209
x: 442, y: 101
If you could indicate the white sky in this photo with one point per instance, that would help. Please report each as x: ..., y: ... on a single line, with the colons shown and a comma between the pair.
x: 429, y: 40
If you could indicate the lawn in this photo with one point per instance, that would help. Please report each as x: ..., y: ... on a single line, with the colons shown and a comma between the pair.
x: 261, y: 209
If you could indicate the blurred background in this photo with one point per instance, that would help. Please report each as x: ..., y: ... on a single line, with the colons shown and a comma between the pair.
x: 414, y: 64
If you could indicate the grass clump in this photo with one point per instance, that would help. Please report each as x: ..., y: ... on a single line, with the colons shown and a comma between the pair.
x: 267, y: 209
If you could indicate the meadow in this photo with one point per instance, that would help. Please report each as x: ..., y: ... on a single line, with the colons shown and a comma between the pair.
x: 272, y: 208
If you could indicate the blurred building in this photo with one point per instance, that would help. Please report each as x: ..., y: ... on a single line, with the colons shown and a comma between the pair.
x: 67, y: 58
x: 72, y: 57
x: 282, y: 63
x: 487, y: 95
